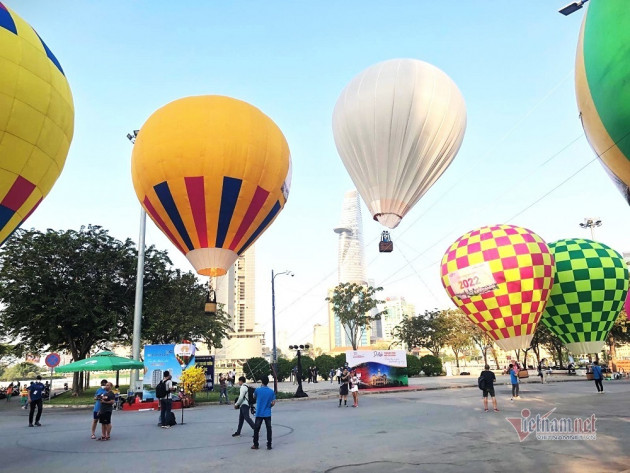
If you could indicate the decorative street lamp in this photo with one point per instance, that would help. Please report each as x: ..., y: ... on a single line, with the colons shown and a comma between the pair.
x: 299, y: 348
x: 274, y: 354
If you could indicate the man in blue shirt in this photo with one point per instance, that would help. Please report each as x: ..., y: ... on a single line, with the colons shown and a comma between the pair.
x: 97, y: 406
x: 265, y: 400
x: 514, y: 381
x: 597, y: 376
x: 35, y: 393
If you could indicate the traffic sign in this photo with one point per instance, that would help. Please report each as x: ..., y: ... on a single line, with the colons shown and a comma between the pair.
x: 53, y: 360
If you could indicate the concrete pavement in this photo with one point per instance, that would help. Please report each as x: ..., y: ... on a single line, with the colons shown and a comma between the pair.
x: 415, y: 431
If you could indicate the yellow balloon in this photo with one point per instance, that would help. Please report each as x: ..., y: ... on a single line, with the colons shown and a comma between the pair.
x: 36, y: 120
x: 213, y: 173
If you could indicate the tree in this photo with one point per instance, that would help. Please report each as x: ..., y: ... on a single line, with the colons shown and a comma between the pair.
x: 67, y: 290
x: 21, y: 371
x: 431, y: 330
x: 353, y: 304
x: 340, y: 360
x: 256, y: 368
x: 431, y: 365
x: 460, y: 337
x: 193, y: 380
x: 545, y: 337
x: 618, y: 335
x: 174, y: 308
x: 324, y: 364
x: 284, y: 368
x: 413, y: 365
x: 307, y: 362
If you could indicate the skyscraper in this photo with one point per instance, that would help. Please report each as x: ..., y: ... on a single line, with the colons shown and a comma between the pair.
x: 350, y: 257
x: 350, y: 263
x: 397, y: 309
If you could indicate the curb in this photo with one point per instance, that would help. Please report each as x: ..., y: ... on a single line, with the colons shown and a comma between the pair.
x: 364, y: 393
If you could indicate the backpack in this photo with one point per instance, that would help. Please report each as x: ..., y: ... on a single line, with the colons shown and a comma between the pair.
x: 481, y: 381
x: 250, y: 399
x: 160, y: 390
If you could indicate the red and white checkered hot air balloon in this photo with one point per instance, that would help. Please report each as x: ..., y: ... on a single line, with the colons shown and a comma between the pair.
x: 501, y: 277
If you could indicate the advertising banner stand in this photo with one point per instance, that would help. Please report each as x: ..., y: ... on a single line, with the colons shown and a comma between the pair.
x: 379, y: 368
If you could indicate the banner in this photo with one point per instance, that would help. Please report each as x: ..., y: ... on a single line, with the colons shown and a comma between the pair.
x: 207, y: 363
x: 379, y: 368
x: 157, y: 360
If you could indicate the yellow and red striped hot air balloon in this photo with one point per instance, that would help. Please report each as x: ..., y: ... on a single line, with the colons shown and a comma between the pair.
x: 212, y: 172
x: 36, y: 120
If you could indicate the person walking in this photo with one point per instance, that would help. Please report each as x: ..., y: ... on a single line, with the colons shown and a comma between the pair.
x: 354, y: 383
x: 223, y: 390
x: 265, y: 400
x: 243, y: 405
x: 541, y: 373
x: 35, y: 393
x: 24, y: 397
x: 343, y: 389
x: 105, y: 414
x: 331, y: 375
x: 97, y: 406
x: 166, y: 402
x: 9, y: 392
x: 486, y: 381
x: 597, y: 376
x: 514, y: 381
x: 338, y: 375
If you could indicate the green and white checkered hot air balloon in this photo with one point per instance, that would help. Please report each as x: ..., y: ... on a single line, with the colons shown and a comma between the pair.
x: 589, y: 290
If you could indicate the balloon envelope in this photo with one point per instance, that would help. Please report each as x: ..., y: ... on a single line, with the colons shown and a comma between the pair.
x: 36, y: 120
x: 590, y: 288
x: 602, y: 68
x: 397, y: 127
x: 500, y: 276
x: 213, y: 173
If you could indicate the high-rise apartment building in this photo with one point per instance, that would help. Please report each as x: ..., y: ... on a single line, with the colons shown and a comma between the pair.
x: 397, y: 309
x: 350, y: 264
x: 237, y: 291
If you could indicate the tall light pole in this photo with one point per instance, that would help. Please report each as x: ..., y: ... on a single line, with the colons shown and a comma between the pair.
x: 274, y: 354
x: 137, y: 312
x: 591, y: 223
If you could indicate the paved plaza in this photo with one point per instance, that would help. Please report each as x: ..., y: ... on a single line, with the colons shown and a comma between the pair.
x: 433, y: 430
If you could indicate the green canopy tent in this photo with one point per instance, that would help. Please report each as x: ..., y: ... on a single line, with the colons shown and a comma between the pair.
x: 102, y: 361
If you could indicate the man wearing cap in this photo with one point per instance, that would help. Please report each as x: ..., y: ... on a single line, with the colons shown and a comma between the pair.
x: 35, y: 393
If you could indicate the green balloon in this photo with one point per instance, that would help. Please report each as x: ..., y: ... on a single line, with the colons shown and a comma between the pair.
x: 589, y: 290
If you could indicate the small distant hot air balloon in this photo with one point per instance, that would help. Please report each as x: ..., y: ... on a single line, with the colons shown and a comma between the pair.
x: 36, y: 120
x: 213, y: 173
x: 500, y: 276
x: 397, y: 126
x: 602, y: 68
x: 590, y: 288
x: 184, y: 353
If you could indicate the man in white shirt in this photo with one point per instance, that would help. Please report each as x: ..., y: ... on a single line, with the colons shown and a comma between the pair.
x: 243, y: 405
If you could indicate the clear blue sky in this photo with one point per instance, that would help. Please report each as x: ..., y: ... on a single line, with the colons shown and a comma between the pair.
x: 513, y: 62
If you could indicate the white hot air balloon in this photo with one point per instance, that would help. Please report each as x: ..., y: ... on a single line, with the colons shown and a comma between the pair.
x: 397, y: 126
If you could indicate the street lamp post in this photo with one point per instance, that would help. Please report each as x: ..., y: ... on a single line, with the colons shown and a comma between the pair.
x: 300, y: 392
x: 274, y: 354
x: 591, y: 223
x: 137, y: 313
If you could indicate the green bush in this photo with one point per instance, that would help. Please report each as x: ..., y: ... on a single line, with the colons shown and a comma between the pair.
x: 284, y: 368
x: 25, y: 370
x: 413, y: 365
x: 431, y: 365
x: 324, y: 363
x: 256, y: 368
